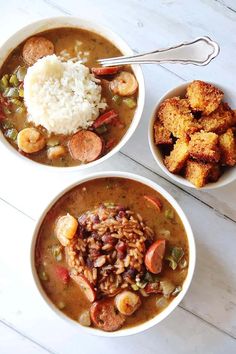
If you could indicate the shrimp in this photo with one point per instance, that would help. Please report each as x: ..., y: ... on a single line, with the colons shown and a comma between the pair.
x: 55, y: 152
x: 65, y: 229
x: 124, y: 84
x: 30, y: 140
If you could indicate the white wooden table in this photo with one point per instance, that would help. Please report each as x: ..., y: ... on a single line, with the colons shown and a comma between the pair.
x: 205, y: 322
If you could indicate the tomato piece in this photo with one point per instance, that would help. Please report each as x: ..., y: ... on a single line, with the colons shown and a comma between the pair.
x: 62, y: 274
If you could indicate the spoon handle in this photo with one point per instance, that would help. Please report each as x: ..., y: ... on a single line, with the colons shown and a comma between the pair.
x: 198, y: 52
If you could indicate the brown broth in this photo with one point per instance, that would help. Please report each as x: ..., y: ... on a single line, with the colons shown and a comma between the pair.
x: 85, y: 197
x: 99, y: 47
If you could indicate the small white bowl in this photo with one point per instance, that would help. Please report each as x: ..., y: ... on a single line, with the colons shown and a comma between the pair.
x: 67, y: 21
x: 192, y: 256
x: 227, y: 177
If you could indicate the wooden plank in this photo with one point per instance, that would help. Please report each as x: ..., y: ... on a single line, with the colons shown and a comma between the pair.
x: 12, y: 340
x: 22, y: 307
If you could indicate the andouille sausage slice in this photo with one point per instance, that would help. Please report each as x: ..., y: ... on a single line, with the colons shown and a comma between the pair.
x: 85, y: 286
x: 106, y: 71
x: 153, y: 201
x: 105, y: 316
x: 36, y: 48
x: 85, y: 146
x: 154, y: 256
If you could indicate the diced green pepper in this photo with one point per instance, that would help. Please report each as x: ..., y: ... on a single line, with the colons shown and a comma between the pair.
x: 4, y: 81
x: 117, y: 99
x: 130, y: 102
x: 13, y: 80
x: 141, y: 284
x: 11, y: 134
x: 177, y: 253
x: 102, y: 129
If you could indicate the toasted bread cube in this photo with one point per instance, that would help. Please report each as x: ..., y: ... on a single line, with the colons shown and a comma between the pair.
x: 161, y: 134
x: 214, y: 173
x: 204, y: 97
x: 178, y: 156
x: 228, y: 148
x: 176, y: 116
x: 204, y: 147
x: 220, y: 120
x: 197, y: 172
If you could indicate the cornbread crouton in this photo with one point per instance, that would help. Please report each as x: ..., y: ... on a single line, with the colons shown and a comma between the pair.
x: 176, y: 116
x: 228, y: 148
x: 214, y: 173
x: 204, y: 97
x: 220, y: 120
x: 197, y: 172
x: 204, y: 147
x: 178, y: 156
x: 161, y: 134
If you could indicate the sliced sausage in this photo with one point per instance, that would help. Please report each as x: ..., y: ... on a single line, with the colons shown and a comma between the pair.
x: 85, y: 286
x: 105, y: 118
x: 85, y: 146
x: 105, y: 316
x: 154, y: 256
x: 153, y: 201
x: 62, y: 274
x: 36, y: 48
x: 106, y: 71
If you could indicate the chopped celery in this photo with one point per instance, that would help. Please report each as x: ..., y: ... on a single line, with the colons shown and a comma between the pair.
x: 21, y: 72
x: 135, y: 287
x: 13, y: 80
x: 7, y: 124
x: 169, y: 213
x: 117, y: 99
x: 172, y: 263
x: 21, y: 92
x: 12, y: 92
x: 16, y: 102
x: 57, y: 252
x: 11, y: 134
x: 177, y: 253
x: 130, y: 102
x: 4, y: 81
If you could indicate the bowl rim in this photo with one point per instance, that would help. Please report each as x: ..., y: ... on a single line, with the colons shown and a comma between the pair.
x: 157, y: 154
x: 191, y: 243
x: 73, y: 21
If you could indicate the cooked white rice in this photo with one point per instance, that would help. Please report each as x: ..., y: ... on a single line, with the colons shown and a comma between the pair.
x: 63, y: 97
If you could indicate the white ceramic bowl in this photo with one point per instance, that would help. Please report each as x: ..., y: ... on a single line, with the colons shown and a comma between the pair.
x: 67, y: 21
x: 227, y: 177
x: 175, y: 301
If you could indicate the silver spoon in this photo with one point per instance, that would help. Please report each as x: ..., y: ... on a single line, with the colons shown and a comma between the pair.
x: 198, y: 52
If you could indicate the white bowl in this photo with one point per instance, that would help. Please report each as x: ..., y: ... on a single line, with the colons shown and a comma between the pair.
x: 67, y: 21
x: 192, y: 256
x: 227, y: 177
